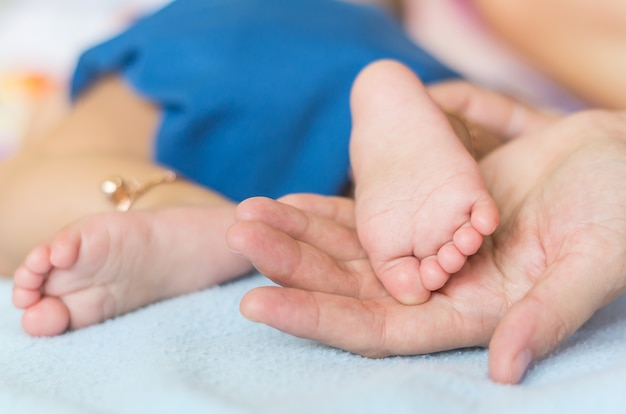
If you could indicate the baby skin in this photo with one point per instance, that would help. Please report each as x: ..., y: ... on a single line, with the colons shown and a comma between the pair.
x: 421, y: 204
x: 109, y: 264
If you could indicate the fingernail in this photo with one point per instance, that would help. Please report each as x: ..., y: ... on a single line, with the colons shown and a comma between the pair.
x: 520, y: 364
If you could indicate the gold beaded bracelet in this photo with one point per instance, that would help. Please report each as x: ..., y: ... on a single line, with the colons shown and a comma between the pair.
x: 123, y: 192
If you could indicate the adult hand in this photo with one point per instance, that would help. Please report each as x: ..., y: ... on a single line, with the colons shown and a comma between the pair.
x: 557, y: 257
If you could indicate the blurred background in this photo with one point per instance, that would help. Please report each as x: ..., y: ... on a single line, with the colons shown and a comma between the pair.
x: 40, y: 41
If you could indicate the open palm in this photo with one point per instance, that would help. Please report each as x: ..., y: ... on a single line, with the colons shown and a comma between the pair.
x: 557, y: 257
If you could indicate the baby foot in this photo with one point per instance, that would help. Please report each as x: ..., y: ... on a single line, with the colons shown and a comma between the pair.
x: 110, y: 264
x: 421, y: 204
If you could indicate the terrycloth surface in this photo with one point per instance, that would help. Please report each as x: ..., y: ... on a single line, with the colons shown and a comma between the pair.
x: 197, y: 354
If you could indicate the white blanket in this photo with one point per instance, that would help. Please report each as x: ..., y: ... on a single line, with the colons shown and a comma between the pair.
x: 197, y: 354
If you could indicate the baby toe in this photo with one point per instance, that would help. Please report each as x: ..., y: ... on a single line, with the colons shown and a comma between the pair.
x: 27, y: 279
x: 433, y: 276
x: 400, y: 277
x: 467, y: 240
x: 38, y: 260
x: 485, y: 216
x: 47, y: 317
x: 23, y: 298
x: 450, y: 258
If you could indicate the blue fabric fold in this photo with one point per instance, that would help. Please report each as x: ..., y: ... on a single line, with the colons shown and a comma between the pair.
x: 255, y: 93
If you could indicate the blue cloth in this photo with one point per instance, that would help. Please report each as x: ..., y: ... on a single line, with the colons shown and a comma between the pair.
x: 255, y: 93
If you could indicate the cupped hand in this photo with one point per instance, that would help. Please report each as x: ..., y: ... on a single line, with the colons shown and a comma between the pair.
x: 558, y: 256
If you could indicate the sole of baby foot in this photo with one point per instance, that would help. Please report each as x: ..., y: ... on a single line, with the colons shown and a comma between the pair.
x: 110, y: 264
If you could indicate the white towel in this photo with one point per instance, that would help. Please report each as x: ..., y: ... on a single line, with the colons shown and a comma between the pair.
x: 197, y: 354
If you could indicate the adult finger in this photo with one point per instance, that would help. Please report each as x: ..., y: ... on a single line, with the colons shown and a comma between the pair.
x: 373, y: 328
x: 338, y: 209
x: 325, y: 232
x: 293, y: 263
x: 497, y: 113
x: 566, y: 296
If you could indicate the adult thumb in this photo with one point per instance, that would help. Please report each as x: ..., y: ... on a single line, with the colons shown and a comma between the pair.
x: 564, y: 297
